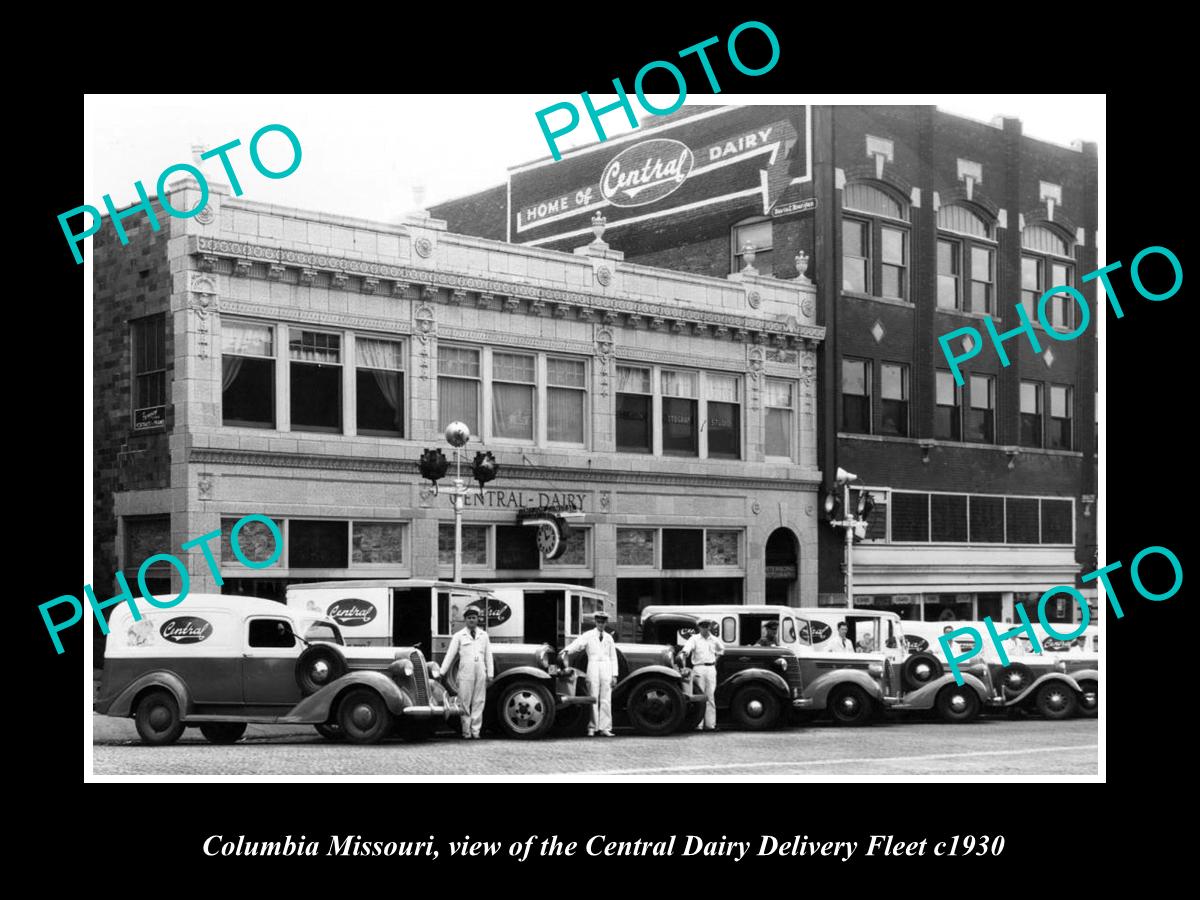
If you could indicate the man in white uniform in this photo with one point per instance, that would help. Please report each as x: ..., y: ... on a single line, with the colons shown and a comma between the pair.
x: 841, y: 643
x: 703, y: 649
x: 601, y: 672
x: 476, y: 669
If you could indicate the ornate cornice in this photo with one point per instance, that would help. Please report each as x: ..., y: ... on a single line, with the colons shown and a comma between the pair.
x: 541, y: 474
x: 265, y: 311
x: 456, y: 284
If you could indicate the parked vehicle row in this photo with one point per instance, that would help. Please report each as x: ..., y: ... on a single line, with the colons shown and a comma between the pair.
x: 350, y: 659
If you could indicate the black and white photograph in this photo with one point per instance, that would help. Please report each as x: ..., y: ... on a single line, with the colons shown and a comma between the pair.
x: 754, y: 440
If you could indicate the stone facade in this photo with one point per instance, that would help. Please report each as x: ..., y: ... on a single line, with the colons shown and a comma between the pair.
x: 418, y: 284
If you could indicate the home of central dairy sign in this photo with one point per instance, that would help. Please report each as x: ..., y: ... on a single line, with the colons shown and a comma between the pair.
x: 697, y: 159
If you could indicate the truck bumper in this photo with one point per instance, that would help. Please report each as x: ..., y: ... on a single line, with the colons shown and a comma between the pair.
x: 802, y: 703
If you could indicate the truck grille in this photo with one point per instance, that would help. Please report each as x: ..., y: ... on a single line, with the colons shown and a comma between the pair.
x: 795, y: 679
x: 420, y: 677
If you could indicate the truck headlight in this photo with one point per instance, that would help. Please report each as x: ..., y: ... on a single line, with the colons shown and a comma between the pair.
x: 435, y: 671
x: 544, y: 657
x: 782, y: 664
x: 875, y: 668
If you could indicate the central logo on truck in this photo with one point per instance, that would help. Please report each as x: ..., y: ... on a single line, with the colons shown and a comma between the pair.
x: 646, y: 172
x: 498, y: 612
x: 352, y: 612
x: 915, y: 644
x: 819, y: 631
x: 186, y: 630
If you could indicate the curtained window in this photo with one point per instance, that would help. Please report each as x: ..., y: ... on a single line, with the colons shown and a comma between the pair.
x: 634, y: 403
x: 379, y: 381
x: 513, y: 386
x: 1031, y: 414
x: 723, y: 416
x: 681, y: 434
x: 566, y: 396
x: 458, y: 387
x: 779, y: 400
x: 247, y: 374
x: 946, y: 413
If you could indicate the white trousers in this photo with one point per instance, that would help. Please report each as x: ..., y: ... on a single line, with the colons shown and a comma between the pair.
x: 599, y: 682
x: 472, y: 692
x: 706, y: 677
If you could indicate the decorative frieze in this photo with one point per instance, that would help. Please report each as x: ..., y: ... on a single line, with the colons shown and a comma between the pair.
x: 370, y: 285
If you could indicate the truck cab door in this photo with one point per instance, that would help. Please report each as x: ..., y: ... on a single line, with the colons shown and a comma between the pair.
x: 269, y: 655
x: 412, y: 618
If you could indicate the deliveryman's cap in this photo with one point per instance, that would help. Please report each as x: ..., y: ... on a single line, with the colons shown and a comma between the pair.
x: 707, y: 621
x: 470, y: 611
x: 771, y: 623
x: 599, y: 614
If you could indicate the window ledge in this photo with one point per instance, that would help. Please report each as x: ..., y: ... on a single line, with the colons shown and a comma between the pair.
x: 890, y: 301
x: 966, y: 313
x: 937, y: 442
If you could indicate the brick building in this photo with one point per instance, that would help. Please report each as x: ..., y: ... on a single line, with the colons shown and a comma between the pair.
x: 262, y: 360
x: 912, y: 222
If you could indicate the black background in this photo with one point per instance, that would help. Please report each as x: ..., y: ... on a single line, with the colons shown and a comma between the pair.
x: 1058, y: 836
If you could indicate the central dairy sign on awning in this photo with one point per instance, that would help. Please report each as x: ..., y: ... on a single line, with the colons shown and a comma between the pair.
x: 707, y: 158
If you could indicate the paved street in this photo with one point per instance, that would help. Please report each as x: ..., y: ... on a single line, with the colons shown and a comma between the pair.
x: 996, y: 746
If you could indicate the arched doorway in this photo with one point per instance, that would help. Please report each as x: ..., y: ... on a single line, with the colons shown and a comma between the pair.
x: 783, y: 568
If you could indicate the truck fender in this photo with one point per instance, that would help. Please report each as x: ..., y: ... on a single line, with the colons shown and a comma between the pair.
x: 527, y: 671
x: 1086, y: 675
x: 122, y: 705
x: 737, y: 679
x: 819, y: 689
x: 1030, y: 691
x: 621, y: 691
x: 317, y: 708
x: 925, y: 696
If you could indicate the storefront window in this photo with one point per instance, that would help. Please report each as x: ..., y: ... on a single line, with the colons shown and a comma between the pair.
x: 721, y: 548
x: 474, y: 544
x: 635, y: 546
x: 378, y: 542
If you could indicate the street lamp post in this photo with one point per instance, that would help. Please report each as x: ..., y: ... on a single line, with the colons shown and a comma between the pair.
x: 433, y: 466
x: 854, y: 523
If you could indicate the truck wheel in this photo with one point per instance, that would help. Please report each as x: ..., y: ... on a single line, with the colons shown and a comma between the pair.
x: 957, y: 703
x: 1089, y: 699
x: 318, y: 666
x: 693, y: 716
x: 850, y: 705
x: 1056, y: 700
x: 157, y: 718
x: 331, y: 731
x: 223, y: 732
x: 920, y: 669
x: 755, y: 707
x: 525, y: 711
x: 655, y: 707
x: 364, y: 717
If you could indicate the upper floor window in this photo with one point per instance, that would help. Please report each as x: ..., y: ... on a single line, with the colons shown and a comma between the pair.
x: 966, y: 261
x: 316, y: 380
x: 756, y: 232
x: 780, y: 403
x: 514, y: 380
x: 1041, y: 271
x: 1031, y: 414
x: 149, y: 372
x: 981, y: 412
x: 566, y: 400
x: 856, y: 396
x: 875, y: 242
x: 893, y: 390
x: 698, y: 413
x: 379, y: 386
x: 459, y: 387
x: 1058, y: 436
x: 247, y: 374
x: 947, y: 413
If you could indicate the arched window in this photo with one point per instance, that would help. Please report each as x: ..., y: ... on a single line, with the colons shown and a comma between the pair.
x: 966, y: 260
x: 756, y: 231
x: 1042, y: 240
x: 875, y: 242
x: 956, y: 217
x: 1047, y: 263
x: 867, y: 198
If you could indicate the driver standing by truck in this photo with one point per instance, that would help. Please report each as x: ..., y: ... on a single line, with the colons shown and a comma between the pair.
x: 601, y: 672
x: 476, y: 669
x: 702, y: 649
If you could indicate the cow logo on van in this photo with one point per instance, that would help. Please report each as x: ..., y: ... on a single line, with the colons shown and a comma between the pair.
x: 820, y: 631
x: 186, y: 630
x: 915, y: 644
x: 646, y: 172
x: 352, y: 612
